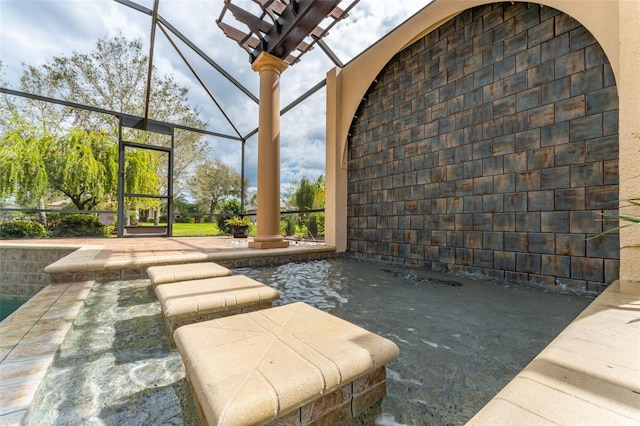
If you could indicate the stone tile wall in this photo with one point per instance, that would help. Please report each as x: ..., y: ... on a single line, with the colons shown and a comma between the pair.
x: 22, y: 269
x: 491, y: 146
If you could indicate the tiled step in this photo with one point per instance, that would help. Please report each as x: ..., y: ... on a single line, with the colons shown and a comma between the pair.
x: 185, y: 272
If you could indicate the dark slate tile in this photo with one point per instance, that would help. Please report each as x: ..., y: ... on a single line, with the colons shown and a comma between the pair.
x: 528, y: 59
x: 528, y: 140
x: 515, y: 83
x: 528, y: 221
x: 493, y: 240
x: 552, y: 221
x: 464, y: 222
x: 504, y: 222
x: 570, y: 244
x: 570, y: 199
x: 541, y: 116
x: 504, y: 183
x: 611, y: 270
x: 493, y: 202
x: 586, y: 222
x: 455, y: 238
x: 610, y: 123
x: 483, y: 258
x: 528, y: 99
x: 585, y: 268
x: 604, y: 247
x: 515, y: 45
x: 590, y: 174
x: 529, y: 263
x: 473, y: 239
x: 473, y: 204
x: 541, y: 74
x: 565, y: 23
x: 555, y: 177
x: 503, y: 260
x: 515, y: 123
x: 492, y: 166
x: 602, y: 100
x: 570, y: 64
x: 528, y: 181
x: 482, y: 149
x: 483, y: 185
x: 483, y: 221
x: 504, y: 106
x: 580, y: 38
x: 542, y: 243
x: 570, y: 108
x: 556, y: 266
x: 516, y: 241
x: 554, y: 134
x: 504, y: 68
x: 570, y: 153
x: 540, y: 158
x: 540, y: 200
x: 541, y: 32
x: 555, y: 47
x: 595, y: 56
x: 515, y: 202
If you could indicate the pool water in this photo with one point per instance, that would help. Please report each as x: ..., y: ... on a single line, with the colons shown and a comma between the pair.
x: 9, y: 306
x: 461, y: 340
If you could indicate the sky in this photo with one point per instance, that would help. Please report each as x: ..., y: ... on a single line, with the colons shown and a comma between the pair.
x: 33, y: 32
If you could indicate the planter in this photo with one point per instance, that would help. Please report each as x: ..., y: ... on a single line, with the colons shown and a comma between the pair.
x: 154, y: 231
x: 239, y: 231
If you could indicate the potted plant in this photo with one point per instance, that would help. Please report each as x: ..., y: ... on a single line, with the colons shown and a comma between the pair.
x: 239, y: 226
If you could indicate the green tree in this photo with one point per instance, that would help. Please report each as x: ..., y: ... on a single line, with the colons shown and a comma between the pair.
x: 23, y: 171
x: 83, y: 166
x: 305, y: 195
x: 213, y: 182
x: 113, y: 76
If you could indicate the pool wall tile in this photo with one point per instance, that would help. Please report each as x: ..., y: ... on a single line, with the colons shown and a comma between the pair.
x: 22, y: 268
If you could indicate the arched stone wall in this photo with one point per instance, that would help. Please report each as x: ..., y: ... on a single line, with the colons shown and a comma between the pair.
x: 490, y: 145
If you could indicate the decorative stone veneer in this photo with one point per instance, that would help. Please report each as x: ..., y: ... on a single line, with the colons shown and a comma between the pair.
x: 491, y: 146
x: 22, y: 268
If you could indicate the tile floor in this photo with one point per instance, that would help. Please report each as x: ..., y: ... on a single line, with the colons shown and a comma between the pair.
x: 29, y: 339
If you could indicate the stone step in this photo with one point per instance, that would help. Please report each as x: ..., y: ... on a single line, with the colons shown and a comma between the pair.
x: 192, y: 301
x: 293, y: 364
x: 185, y: 272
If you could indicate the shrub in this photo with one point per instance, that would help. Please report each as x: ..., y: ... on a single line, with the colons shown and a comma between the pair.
x: 185, y: 219
x: 227, y: 209
x: 78, y: 225
x: 22, y: 229
x: 288, y: 226
x: 312, y: 225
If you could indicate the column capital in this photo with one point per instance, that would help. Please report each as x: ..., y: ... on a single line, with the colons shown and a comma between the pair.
x: 267, y: 60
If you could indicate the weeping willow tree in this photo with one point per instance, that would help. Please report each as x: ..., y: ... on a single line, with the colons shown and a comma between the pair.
x: 79, y: 164
x: 23, y: 173
x: 140, y: 177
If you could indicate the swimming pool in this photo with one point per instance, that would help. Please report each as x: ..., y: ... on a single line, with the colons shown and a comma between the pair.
x: 9, y: 305
x: 461, y: 339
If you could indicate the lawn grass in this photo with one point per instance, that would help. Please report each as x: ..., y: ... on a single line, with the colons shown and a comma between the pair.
x: 207, y: 229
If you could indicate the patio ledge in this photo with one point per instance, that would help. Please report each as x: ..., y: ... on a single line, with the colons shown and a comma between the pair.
x: 589, y: 374
x: 84, y: 259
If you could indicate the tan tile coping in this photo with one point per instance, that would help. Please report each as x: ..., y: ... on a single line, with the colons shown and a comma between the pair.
x: 185, y: 272
x: 257, y: 367
x: 84, y: 259
x: 29, y: 339
x: 187, y: 302
x: 588, y: 375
